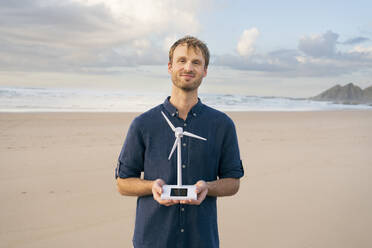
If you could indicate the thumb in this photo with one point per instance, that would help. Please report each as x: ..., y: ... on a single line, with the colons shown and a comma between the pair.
x: 198, y: 189
x: 200, y: 185
x: 160, y: 189
x: 158, y: 186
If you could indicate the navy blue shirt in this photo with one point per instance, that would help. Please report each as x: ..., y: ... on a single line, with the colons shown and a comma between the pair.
x: 146, y: 149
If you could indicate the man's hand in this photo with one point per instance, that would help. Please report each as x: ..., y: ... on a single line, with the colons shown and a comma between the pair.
x: 201, y: 191
x: 156, y: 192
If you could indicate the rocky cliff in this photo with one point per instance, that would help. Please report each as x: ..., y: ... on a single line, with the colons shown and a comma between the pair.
x: 348, y: 94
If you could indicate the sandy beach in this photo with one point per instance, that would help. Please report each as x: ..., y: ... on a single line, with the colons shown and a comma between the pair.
x: 307, y: 183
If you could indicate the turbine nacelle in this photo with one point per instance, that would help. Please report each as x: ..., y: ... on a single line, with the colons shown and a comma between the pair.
x: 178, y: 132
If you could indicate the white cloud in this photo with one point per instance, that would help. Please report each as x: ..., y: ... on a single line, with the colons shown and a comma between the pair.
x: 316, y: 56
x: 168, y: 41
x: 102, y: 35
x: 141, y: 45
x: 246, y: 42
x: 50, y: 35
x: 362, y: 50
x: 320, y: 45
x: 149, y: 17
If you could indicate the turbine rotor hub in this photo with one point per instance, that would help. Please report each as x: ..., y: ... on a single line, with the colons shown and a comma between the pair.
x: 178, y: 132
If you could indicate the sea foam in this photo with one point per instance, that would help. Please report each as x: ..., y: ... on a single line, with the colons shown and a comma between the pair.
x: 16, y: 99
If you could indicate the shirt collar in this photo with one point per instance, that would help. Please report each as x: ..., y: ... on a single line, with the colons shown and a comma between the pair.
x: 195, y: 110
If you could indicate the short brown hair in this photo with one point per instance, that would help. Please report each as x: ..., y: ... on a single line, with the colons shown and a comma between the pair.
x: 194, y: 43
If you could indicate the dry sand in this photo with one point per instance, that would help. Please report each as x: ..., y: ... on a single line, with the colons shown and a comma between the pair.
x: 308, y: 181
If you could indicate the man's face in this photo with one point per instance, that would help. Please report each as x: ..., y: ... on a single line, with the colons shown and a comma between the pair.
x: 187, y: 68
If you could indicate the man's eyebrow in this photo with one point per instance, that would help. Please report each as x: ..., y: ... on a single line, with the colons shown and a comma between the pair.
x: 182, y: 57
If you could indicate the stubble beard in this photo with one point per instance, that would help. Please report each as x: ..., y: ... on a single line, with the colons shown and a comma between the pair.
x: 186, y: 86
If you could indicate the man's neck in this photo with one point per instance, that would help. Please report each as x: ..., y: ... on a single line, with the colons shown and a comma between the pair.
x: 183, y: 101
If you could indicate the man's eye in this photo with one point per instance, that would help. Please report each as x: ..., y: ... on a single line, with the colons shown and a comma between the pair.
x: 196, y: 62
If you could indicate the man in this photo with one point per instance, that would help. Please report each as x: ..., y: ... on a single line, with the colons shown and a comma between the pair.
x: 214, y: 166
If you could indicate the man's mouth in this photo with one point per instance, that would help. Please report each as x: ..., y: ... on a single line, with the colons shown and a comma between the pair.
x: 187, y: 75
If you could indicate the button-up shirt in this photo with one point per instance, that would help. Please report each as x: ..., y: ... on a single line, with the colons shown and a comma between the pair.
x: 146, y: 149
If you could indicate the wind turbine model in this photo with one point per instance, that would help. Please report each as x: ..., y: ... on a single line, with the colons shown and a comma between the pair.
x: 179, y: 191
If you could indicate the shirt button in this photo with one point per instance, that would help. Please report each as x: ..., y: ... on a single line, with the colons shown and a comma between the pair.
x: 183, y: 166
x: 194, y: 114
x: 182, y: 209
x: 173, y: 114
x: 182, y: 230
x: 184, y: 124
x: 184, y: 144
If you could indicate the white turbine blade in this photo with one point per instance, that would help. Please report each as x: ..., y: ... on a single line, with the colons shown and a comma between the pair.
x: 169, y: 123
x: 173, y: 148
x: 193, y: 135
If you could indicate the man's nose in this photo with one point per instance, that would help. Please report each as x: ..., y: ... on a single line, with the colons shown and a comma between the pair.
x: 188, y: 66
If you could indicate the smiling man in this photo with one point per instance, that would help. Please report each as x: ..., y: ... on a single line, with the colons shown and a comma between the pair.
x: 214, y: 167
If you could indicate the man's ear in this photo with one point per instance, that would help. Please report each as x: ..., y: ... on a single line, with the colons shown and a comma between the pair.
x: 169, y: 67
x: 205, y: 72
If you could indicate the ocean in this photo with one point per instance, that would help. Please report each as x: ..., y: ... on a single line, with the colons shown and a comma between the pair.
x: 17, y: 99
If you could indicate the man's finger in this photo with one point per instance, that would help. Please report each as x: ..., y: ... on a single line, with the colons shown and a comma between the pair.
x: 185, y: 201
x: 194, y: 202
x: 166, y: 202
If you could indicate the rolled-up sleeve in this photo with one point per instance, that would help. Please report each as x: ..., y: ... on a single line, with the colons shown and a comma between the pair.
x: 230, y: 165
x: 131, y: 158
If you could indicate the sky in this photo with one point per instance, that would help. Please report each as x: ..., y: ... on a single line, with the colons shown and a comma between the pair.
x: 263, y: 48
